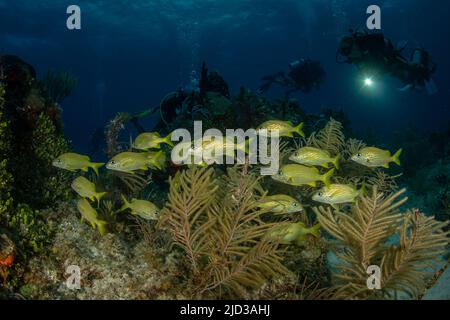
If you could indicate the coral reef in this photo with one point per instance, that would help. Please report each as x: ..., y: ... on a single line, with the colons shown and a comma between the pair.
x: 30, y: 138
x: 213, y: 239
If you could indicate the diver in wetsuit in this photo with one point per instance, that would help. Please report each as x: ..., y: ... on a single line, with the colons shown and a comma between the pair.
x: 419, y: 72
x: 375, y: 56
x: 304, y: 75
x: 371, y: 53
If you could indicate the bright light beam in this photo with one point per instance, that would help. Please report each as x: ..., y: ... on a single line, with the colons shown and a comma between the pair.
x: 368, y: 82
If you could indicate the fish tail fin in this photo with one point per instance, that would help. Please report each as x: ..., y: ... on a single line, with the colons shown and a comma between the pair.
x: 315, y: 230
x: 101, y: 225
x: 126, y: 204
x: 299, y: 129
x: 336, y: 162
x: 326, y: 177
x: 96, y: 165
x: 100, y: 195
x: 168, y: 140
x: 157, y: 159
x: 396, y: 157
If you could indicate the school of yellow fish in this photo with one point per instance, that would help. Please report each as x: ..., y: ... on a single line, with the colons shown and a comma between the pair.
x: 305, y: 171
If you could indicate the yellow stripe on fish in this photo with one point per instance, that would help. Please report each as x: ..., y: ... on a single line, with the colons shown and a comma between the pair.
x: 335, y: 194
x: 86, y: 189
x: 280, y: 203
x: 298, y: 175
x: 129, y: 162
x: 314, y: 157
x: 151, y: 140
x: 90, y: 215
x: 74, y: 161
x: 373, y: 157
x: 285, y: 128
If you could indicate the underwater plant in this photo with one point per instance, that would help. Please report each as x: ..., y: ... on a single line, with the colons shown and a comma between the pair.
x: 364, y: 236
x: 59, y: 85
x: 330, y: 138
x: 223, y: 236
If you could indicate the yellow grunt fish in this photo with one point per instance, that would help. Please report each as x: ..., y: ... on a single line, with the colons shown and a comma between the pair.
x: 373, y: 157
x: 151, y: 140
x: 73, y: 162
x: 285, y: 128
x: 86, y: 189
x: 337, y: 194
x: 298, y: 175
x: 280, y: 203
x: 314, y: 157
x: 90, y: 215
x: 142, y: 208
x: 297, y: 233
x: 131, y: 161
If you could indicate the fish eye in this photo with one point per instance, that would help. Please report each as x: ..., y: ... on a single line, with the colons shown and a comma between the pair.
x: 113, y: 162
x: 295, y: 204
x: 359, y: 155
x: 320, y: 194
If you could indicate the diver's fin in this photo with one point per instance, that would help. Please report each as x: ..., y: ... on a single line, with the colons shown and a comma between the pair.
x: 401, y: 45
x: 407, y: 88
x: 396, y: 157
x: 431, y: 87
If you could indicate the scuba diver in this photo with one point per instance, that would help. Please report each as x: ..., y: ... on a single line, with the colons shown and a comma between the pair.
x: 304, y: 75
x: 420, y: 70
x: 374, y: 56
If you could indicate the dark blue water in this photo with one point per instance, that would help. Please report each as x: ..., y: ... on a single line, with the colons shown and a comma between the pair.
x: 129, y: 54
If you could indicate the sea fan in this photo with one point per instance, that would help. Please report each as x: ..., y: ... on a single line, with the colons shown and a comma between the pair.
x: 363, y: 237
x: 330, y: 138
x: 186, y: 213
x: 226, y: 230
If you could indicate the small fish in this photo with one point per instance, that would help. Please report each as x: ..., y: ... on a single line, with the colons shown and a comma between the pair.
x: 285, y: 128
x: 373, y: 157
x: 280, y: 203
x: 142, y: 208
x: 298, y: 175
x: 297, y: 233
x: 131, y: 161
x: 86, y: 189
x: 151, y: 140
x: 90, y: 215
x: 74, y: 162
x: 337, y: 194
x: 314, y: 157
